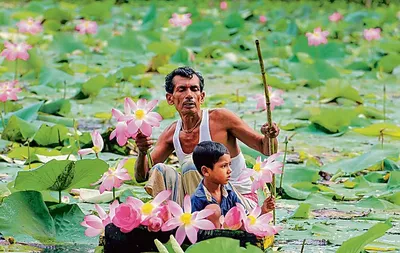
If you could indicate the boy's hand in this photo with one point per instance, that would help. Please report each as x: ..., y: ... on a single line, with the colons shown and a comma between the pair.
x: 270, y: 132
x: 268, y: 205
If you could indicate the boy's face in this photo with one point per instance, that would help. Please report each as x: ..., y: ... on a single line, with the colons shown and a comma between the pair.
x: 221, y: 172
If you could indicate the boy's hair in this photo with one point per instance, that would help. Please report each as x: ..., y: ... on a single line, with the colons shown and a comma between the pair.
x: 207, y: 153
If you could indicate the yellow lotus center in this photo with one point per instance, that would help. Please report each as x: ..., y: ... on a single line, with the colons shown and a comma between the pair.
x: 86, y: 24
x: 186, y: 218
x: 257, y: 167
x: 96, y: 149
x: 147, y: 208
x: 140, y: 114
x: 252, y: 219
x: 30, y: 22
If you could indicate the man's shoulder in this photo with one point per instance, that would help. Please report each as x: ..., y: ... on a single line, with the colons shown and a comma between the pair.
x: 220, y: 114
x: 168, y: 132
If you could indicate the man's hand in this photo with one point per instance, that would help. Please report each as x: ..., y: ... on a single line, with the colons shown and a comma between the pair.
x: 143, y: 142
x: 270, y: 132
x: 268, y: 205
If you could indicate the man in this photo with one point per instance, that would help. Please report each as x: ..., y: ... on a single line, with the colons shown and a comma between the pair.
x: 184, y: 88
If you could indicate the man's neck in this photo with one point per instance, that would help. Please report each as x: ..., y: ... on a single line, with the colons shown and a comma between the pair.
x: 190, y: 121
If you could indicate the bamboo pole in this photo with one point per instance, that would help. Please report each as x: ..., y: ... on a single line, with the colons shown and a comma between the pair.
x: 269, y: 116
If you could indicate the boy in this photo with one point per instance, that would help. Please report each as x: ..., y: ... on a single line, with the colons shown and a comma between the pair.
x: 212, y: 160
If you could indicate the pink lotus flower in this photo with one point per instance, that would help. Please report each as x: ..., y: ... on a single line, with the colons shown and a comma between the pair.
x: 181, y: 20
x: 86, y: 27
x: 256, y: 224
x: 16, y: 51
x: 164, y: 213
x: 232, y: 219
x: 8, y: 91
x: 274, y: 97
x: 95, y: 225
x: 335, y: 17
x: 114, y: 178
x: 30, y: 26
x: 155, y: 223
x: 262, y: 171
x: 262, y: 19
x: 98, y: 145
x: 126, y: 216
x: 136, y: 117
x: 372, y: 34
x: 188, y: 223
x: 317, y: 37
x: 152, y: 207
x: 223, y: 5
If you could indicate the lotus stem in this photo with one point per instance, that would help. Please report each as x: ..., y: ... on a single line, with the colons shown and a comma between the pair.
x: 59, y: 196
x: 29, y: 154
x: 113, y: 191
x: 65, y: 89
x: 149, y: 160
x: 269, y: 117
x: 302, y: 246
x: 2, y: 117
x: 284, y: 161
x: 16, y: 70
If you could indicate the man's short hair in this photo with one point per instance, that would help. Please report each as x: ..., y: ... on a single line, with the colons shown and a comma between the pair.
x: 187, y: 72
x: 207, y: 153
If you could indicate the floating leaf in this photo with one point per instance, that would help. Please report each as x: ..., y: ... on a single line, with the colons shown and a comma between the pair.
x: 51, y: 136
x: 65, y: 43
x: 24, y: 216
x: 53, y: 76
x: 28, y: 113
x: 302, y: 212
x: 165, y: 110
x: 362, y: 162
x: 357, y: 244
x: 375, y: 130
x: 67, y: 221
x: 376, y: 203
x: 336, y: 88
x: 18, y: 130
x: 97, y: 10
x: 333, y: 120
x: 93, y: 86
x: 61, y: 175
x: 58, y: 107
x: 328, y: 51
x: 221, y: 244
x: 389, y: 62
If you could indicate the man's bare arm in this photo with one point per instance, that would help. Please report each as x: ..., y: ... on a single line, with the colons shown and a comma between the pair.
x: 160, y: 153
x: 239, y: 129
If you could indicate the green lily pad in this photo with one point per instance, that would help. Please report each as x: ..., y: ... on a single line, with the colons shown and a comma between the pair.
x: 339, y: 89
x: 375, y: 130
x: 61, y: 175
x: 18, y: 130
x: 51, y: 136
x: 221, y: 244
x: 362, y: 162
x: 67, y: 220
x: 357, y: 244
x: 302, y: 212
x: 24, y: 216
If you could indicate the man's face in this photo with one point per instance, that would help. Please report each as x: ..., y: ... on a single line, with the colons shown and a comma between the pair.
x: 186, y: 96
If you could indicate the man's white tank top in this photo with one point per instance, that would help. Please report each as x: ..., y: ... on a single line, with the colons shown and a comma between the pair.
x: 238, y: 162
